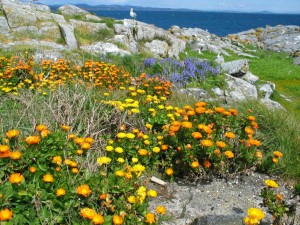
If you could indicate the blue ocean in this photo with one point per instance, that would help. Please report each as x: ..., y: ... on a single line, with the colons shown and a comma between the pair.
x: 219, y: 23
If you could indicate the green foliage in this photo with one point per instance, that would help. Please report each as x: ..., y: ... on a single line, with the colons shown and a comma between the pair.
x: 84, y: 36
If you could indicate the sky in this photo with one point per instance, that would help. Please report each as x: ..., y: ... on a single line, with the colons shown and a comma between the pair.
x: 278, y: 6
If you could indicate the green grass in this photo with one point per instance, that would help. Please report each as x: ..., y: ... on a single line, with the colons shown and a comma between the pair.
x: 84, y: 37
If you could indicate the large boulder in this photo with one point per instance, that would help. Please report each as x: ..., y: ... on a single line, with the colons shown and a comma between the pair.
x: 239, y: 90
x: 236, y: 68
x: 102, y: 48
x: 24, y: 14
x: 72, y: 10
x: 4, y: 28
x: 88, y: 27
x: 157, y: 48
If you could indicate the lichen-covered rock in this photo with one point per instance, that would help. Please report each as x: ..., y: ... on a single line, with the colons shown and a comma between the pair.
x: 88, y: 27
x: 267, y: 89
x: 157, y: 48
x: 104, y: 48
x: 72, y: 10
x: 250, y: 78
x: 236, y: 68
x: 24, y: 14
x: 4, y: 28
x: 238, y: 89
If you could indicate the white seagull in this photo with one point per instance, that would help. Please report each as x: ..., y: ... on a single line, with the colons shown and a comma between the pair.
x: 132, y: 14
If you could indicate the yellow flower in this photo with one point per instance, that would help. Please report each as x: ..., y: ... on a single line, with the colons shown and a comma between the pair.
x: 109, y: 148
x: 161, y: 210
x: 103, y: 160
x: 15, y: 155
x: 134, y: 160
x: 120, y: 160
x: 255, y: 213
x: 187, y: 125
x: 229, y: 154
x: 121, y: 135
x: 48, y: 178
x: 156, y: 149
x: 169, y: 171
x: 152, y: 193
x: 5, y: 214
x: 33, y: 140
x: 84, y: 190
x: 87, y: 213
x: 130, y: 135
x: 12, y: 133
x: 45, y: 133
x: 117, y: 220
x: 138, y: 169
x: 89, y: 140
x: 119, y: 150
x: 221, y: 144
x: 57, y: 160
x: 147, y: 142
x: 131, y: 199
x: 120, y: 173
x: 60, y: 192
x: 75, y: 170
x: 150, y: 218
x: 195, y: 164
x: 98, y: 219
x: 271, y: 183
x: 16, y: 178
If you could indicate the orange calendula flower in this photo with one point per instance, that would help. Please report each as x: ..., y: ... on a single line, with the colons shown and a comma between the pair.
x: 57, y: 160
x: 271, y: 183
x: 117, y: 220
x: 65, y: 127
x: 161, y: 210
x: 229, y: 154
x: 221, y: 144
x: 60, y: 192
x: 89, y: 140
x: 98, y: 219
x: 5, y: 214
x: 218, y: 153
x: 15, y: 155
x: 259, y: 154
x: 72, y: 136
x: 32, y: 169
x: 233, y: 112
x: 45, y: 133
x: 251, y: 118
x: 4, y: 151
x: 219, y: 109
x: 41, y: 127
x: 150, y: 218
x: 79, y: 140
x: 200, y: 104
x: 48, y: 178
x: 206, y: 143
x: 230, y: 135
x: 85, y: 145
x: 16, y: 178
x: 87, y: 213
x: 197, y: 135
x: 186, y: 124
x: 33, y: 140
x: 84, y: 190
x: 278, y: 154
x: 164, y: 147
x: 143, y: 152
x: 12, y: 133
x: 275, y: 160
x: 207, y: 164
x: 200, y: 110
x: 249, y: 130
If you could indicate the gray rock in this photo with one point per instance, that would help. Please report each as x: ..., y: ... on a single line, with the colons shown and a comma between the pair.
x: 35, y: 43
x: 198, y: 93
x: 250, y: 78
x: 92, y: 17
x: 67, y: 31
x: 88, y: 27
x: 296, y: 61
x: 238, y: 89
x: 104, y: 48
x: 72, y: 10
x: 4, y: 28
x: 272, y: 105
x: 216, y: 202
x: 157, y: 48
x: 267, y: 89
x: 218, y: 92
x: 236, y: 68
x: 219, y: 60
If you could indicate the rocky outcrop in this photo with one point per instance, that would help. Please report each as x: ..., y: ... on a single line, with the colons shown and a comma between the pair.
x: 102, y: 48
x: 279, y: 38
x: 72, y: 10
x: 236, y: 68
